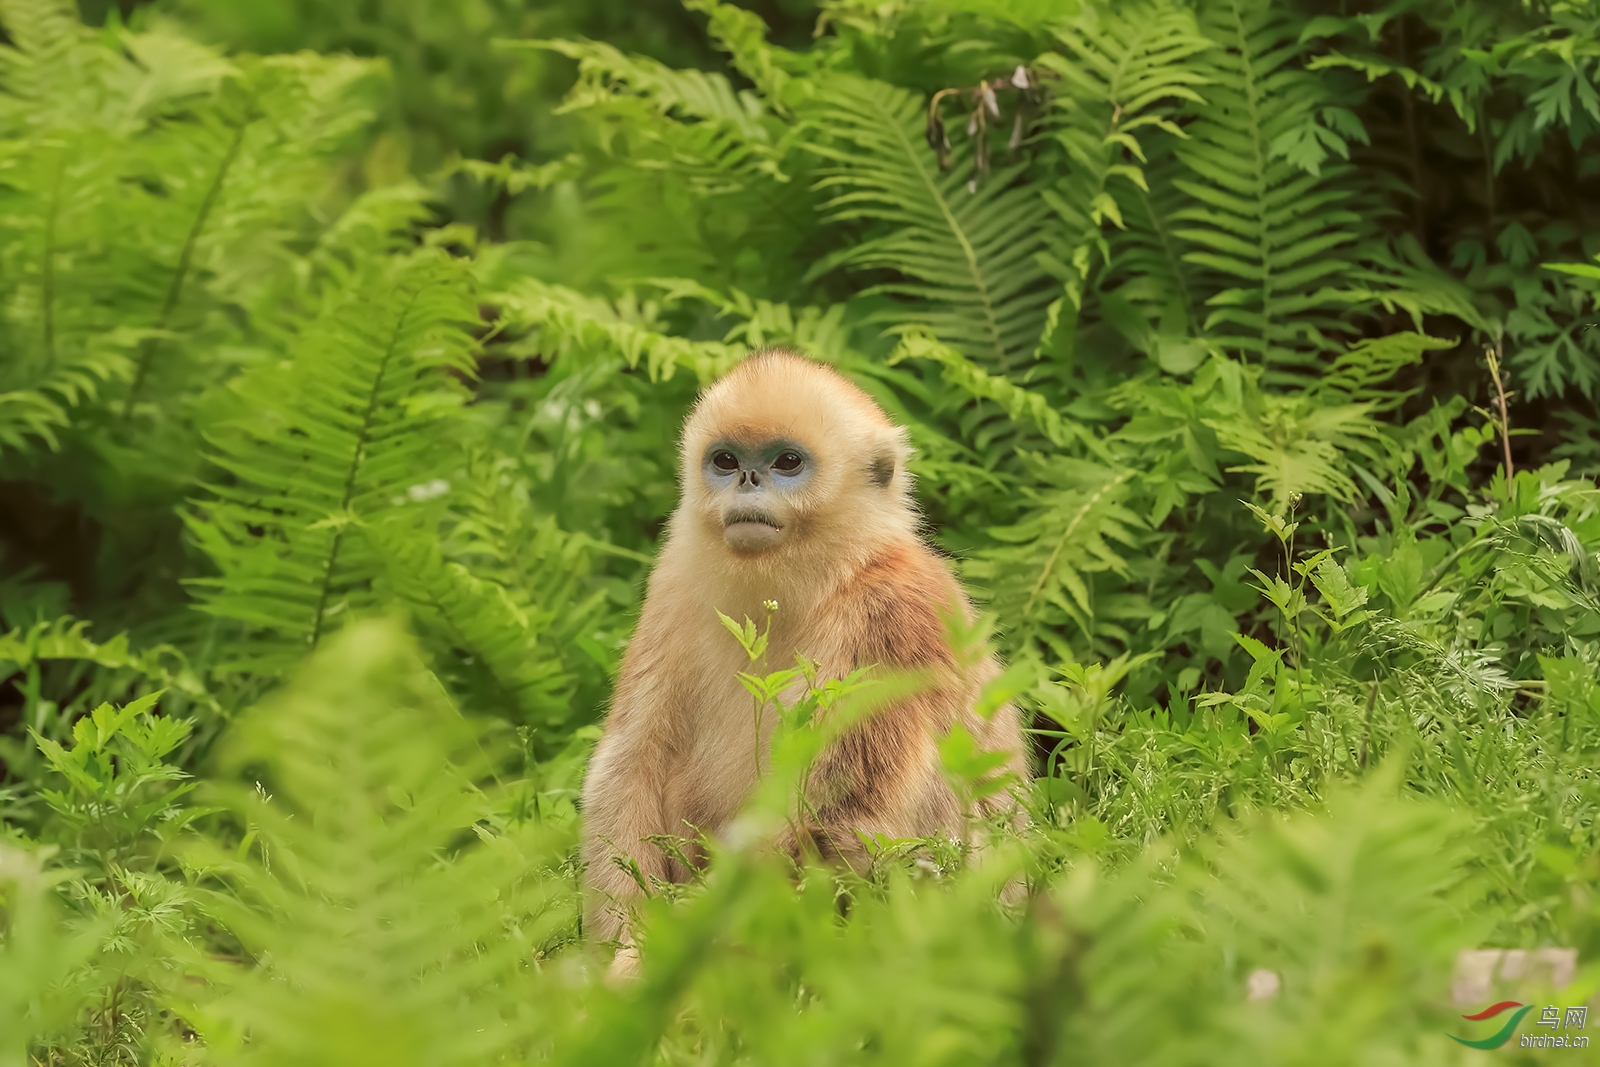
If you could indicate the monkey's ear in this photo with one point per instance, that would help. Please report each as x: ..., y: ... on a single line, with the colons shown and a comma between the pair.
x: 881, y: 469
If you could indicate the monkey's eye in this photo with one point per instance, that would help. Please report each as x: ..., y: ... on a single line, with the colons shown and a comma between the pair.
x: 725, y: 461
x: 787, y: 462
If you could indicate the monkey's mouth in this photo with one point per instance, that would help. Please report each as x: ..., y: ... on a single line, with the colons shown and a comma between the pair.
x: 736, y: 518
x: 748, y: 531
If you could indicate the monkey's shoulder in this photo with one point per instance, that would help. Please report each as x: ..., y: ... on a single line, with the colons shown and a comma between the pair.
x: 891, y: 610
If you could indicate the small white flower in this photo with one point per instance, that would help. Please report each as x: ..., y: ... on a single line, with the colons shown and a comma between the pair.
x: 428, y: 490
x: 1262, y: 984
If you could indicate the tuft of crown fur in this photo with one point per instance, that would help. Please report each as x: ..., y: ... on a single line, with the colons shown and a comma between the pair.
x: 777, y: 392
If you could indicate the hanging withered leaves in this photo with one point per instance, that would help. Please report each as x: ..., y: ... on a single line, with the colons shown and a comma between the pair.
x: 983, y: 104
x: 980, y: 158
x: 938, y: 140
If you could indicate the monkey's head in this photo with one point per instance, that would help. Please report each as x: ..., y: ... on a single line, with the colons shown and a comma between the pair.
x: 784, y: 454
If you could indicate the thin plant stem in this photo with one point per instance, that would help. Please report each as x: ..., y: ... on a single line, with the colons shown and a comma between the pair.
x: 1496, y: 359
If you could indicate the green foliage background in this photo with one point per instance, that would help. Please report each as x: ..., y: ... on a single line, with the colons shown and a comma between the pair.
x: 342, y: 351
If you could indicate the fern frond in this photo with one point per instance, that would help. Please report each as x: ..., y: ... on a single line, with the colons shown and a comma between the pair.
x: 496, y: 648
x: 571, y: 322
x: 822, y: 333
x: 228, y: 183
x: 38, y: 412
x: 1296, y: 451
x: 689, y: 175
x: 503, y: 535
x: 1358, y: 373
x: 604, y: 71
x: 162, y: 667
x: 51, y: 68
x: 1040, y: 575
x: 1119, y: 76
x: 1148, y: 270
x: 349, y: 432
x: 1017, y: 402
x: 61, y: 334
x: 381, y: 221
x: 1297, y: 443
x: 382, y: 908
x: 689, y: 121
x: 572, y: 584
x: 1307, y: 442
x: 510, y: 173
x: 1274, y: 235
x: 966, y: 251
x: 1375, y: 66
x: 743, y: 36
x: 147, y: 183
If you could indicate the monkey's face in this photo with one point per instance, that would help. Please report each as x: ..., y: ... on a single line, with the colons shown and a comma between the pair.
x: 756, y: 489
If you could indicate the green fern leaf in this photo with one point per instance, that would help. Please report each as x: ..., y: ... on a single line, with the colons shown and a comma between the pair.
x: 386, y: 903
x: 569, y: 321
x: 495, y: 654
x: 61, y: 338
x: 743, y: 36
x: 1148, y: 271
x: 966, y: 250
x: 604, y: 71
x: 1017, y: 402
x: 1273, y: 236
x: 161, y: 667
x: 348, y: 433
x: 1040, y: 574
x: 823, y: 333
x: 1298, y: 443
x: 1120, y: 73
x: 225, y: 186
x: 689, y: 121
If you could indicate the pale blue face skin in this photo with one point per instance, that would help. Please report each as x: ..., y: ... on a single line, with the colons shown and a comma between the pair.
x: 755, y: 487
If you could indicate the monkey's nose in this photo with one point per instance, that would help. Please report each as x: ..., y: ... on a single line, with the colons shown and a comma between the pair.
x: 749, y: 478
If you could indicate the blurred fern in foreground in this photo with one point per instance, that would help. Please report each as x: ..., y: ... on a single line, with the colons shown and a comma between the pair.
x: 389, y: 912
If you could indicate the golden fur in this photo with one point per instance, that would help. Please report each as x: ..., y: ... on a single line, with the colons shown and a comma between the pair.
x: 855, y: 585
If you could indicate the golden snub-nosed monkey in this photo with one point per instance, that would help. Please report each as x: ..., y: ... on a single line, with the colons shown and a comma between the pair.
x: 794, y: 489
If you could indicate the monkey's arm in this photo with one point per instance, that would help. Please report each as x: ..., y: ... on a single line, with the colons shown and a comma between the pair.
x: 879, y: 776
x: 622, y: 803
